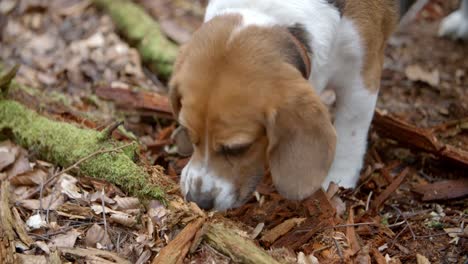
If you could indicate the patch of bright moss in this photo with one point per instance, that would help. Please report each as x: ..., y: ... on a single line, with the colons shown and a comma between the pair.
x: 64, y: 144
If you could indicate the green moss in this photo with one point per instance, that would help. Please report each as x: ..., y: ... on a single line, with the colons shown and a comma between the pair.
x: 142, y: 32
x: 64, y: 144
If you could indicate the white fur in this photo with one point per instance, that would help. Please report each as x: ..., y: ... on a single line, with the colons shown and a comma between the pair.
x: 354, y: 108
x: 455, y: 25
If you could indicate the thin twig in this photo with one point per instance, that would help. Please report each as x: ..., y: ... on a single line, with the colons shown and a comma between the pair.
x: 107, y: 133
x: 41, y: 194
x: 406, y: 220
x: 398, y: 235
x: 368, y: 200
x: 338, y: 249
x: 104, y: 211
x: 356, y: 224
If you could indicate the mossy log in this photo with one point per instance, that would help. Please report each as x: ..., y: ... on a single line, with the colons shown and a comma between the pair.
x: 141, y: 31
x: 64, y: 144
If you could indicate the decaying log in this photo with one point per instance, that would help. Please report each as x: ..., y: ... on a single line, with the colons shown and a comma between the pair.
x: 7, y: 244
x: 177, y: 249
x: 152, y: 103
x: 240, y: 249
x: 416, y: 137
x: 64, y: 144
x: 443, y: 190
x: 142, y: 32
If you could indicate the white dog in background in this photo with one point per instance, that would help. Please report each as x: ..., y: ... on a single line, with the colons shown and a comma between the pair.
x: 456, y: 24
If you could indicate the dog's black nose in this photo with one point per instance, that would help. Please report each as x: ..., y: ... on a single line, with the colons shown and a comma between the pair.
x: 204, y: 201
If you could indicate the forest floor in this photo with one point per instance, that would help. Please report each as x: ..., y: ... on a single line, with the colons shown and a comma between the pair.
x: 410, y: 206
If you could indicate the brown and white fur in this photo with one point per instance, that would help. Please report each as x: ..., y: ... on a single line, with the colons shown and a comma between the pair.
x: 245, y: 88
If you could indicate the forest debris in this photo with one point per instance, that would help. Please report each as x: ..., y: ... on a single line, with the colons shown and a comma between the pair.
x: 67, y: 240
x: 20, y: 228
x: 351, y: 233
x: 53, y: 141
x: 139, y: 100
x: 240, y: 249
x: 443, y: 190
x: 416, y: 73
x: 144, y: 33
x: 422, y: 259
x: 31, y: 259
x: 94, y: 255
x: 276, y: 232
x: 380, y: 200
x: 177, y: 249
x: 96, y: 234
x: 6, y: 78
x: 416, y: 137
x: 8, y: 154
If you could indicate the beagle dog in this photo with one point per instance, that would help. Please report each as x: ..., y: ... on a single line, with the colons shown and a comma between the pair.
x: 455, y: 25
x: 246, y: 90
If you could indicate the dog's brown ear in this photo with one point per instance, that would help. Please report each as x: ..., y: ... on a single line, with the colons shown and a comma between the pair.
x: 174, y: 95
x: 302, y: 143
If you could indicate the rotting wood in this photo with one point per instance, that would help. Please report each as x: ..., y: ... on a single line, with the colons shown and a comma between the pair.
x: 7, y: 248
x: 20, y: 228
x: 142, y: 32
x: 443, y: 190
x: 152, y: 103
x: 280, y: 230
x: 177, y: 249
x: 380, y: 200
x: 420, y: 138
x: 240, y: 249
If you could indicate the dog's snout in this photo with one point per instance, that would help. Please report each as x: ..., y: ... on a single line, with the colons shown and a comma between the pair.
x: 204, y: 201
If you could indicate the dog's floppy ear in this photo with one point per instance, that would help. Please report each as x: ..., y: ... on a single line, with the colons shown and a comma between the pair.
x: 302, y: 142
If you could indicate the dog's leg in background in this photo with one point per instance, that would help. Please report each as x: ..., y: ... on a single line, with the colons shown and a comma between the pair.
x: 455, y: 25
x: 354, y: 108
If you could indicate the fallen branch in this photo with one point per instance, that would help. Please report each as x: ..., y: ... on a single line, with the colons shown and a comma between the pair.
x: 139, y: 100
x: 389, y: 190
x: 177, y: 249
x: 443, y: 190
x: 420, y: 138
x: 65, y: 144
x: 240, y: 249
x: 142, y: 32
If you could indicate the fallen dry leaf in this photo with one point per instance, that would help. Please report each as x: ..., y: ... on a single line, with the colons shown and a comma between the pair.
x: 422, y: 259
x: 51, y: 202
x: 125, y: 203
x: 31, y: 259
x: 123, y: 219
x: 98, y: 197
x: 43, y: 246
x: 68, y: 187
x: 96, y: 234
x: 416, y: 73
x: 20, y: 166
x: 67, y: 240
x: 8, y: 153
x: 30, y: 178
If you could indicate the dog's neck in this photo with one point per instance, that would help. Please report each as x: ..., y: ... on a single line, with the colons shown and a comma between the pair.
x: 320, y: 20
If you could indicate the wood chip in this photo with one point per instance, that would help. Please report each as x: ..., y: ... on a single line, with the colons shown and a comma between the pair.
x: 93, y: 254
x: 278, y: 231
x: 443, y: 190
x: 389, y: 190
x: 178, y: 248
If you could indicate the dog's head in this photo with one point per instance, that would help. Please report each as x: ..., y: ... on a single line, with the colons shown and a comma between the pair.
x: 245, y: 105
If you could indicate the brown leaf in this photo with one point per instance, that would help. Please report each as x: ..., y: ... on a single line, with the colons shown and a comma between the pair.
x: 20, y: 166
x: 96, y: 234
x: 31, y: 259
x: 52, y: 202
x: 30, y: 178
x: 123, y: 219
x: 8, y: 154
x: 416, y: 73
x: 126, y: 203
x: 98, y: 197
x: 66, y: 240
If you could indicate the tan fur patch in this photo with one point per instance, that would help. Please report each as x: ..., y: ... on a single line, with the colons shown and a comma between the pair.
x: 376, y: 21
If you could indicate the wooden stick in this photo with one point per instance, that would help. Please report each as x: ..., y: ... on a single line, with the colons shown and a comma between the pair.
x: 177, y: 249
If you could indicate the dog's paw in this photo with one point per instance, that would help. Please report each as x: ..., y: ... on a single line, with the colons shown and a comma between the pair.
x: 455, y: 26
x: 344, y: 178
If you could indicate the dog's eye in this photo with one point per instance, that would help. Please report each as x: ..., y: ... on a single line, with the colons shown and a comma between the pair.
x: 234, y: 150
